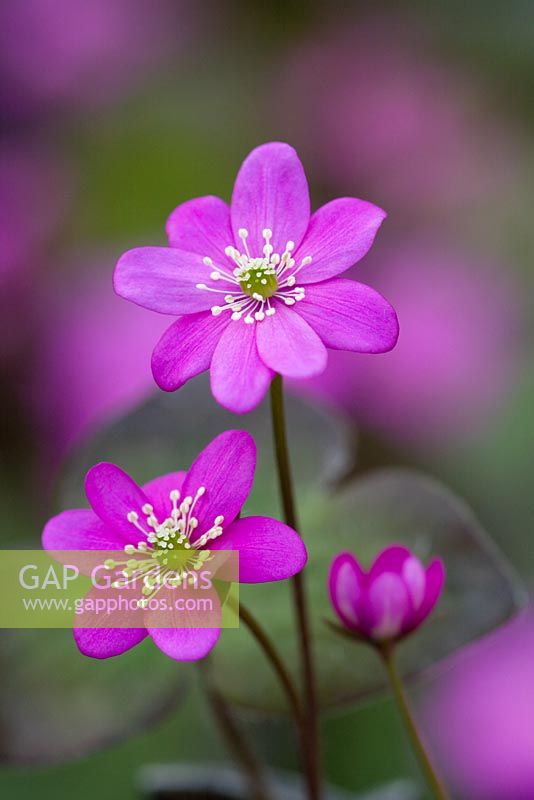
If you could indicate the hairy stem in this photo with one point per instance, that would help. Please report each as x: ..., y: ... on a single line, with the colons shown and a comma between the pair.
x: 276, y: 662
x: 403, y: 706
x: 233, y: 738
x: 285, y: 481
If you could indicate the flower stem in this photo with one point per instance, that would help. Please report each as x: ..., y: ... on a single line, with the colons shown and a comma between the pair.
x: 312, y: 754
x: 275, y: 660
x: 233, y: 737
x: 395, y: 681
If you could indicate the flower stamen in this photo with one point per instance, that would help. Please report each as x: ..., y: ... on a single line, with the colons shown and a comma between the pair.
x: 256, y: 281
x: 167, y: 555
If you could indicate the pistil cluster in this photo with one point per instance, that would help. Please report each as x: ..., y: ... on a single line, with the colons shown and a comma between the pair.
x: 256, y: 281
x: 166, y: 556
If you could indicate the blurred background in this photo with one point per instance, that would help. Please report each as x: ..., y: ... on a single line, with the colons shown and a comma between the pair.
x: 114, y: 112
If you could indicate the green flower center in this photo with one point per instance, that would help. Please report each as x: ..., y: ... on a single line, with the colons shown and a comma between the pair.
x: 256, y: 286
x: 258, y: 278
x: 166, y: 549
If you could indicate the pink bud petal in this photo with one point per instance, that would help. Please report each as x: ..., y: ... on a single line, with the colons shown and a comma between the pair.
x: 414, y: 576
x: 388, y: 605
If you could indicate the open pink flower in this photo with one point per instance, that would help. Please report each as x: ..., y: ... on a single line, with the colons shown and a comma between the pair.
x: 124, y: 515
x: 255, y: 286
x: 389, y: 601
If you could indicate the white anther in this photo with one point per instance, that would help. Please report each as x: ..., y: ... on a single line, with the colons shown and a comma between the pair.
x: 251, y: 273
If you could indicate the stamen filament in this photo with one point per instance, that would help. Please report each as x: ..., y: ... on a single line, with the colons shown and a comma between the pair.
x: 257, y: 280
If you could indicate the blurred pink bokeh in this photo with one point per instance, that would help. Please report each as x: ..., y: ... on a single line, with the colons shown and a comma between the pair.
x: 94, y: 355
x: 457, y: 354
x: 76, y: 53
x: 479, y: 717
x: 371, y: 106
x: 34, y: 190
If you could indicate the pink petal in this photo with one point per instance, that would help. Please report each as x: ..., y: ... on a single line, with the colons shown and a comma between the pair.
x: 414, y: 577
x: 350, y: 316
x: 107, y: 642
x: 180, y: 634
x: 202, y: 226
x: 226, y: 469
x: 164, y: 279
x: 112, y: 495
x: 388, y: 606
x: 346, y: 582
x: 391, y: 559
x: 239, y: 378
x: 80, y: 529
x: 158, y: 492
x: 271, y: 191
x: 185, y: 644
x: 268, y: 549
x: 435, y: 579
x: 340, y: 234
x: 288, y: 345
x: 186, y: 349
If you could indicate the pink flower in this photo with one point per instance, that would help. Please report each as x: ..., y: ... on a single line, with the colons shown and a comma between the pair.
x: 125, y: 516
x: 255, y: 286
x: 391, y: 600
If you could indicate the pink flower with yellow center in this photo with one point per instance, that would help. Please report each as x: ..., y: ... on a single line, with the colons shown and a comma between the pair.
x: 182, y: 516
x: 255, y: 286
